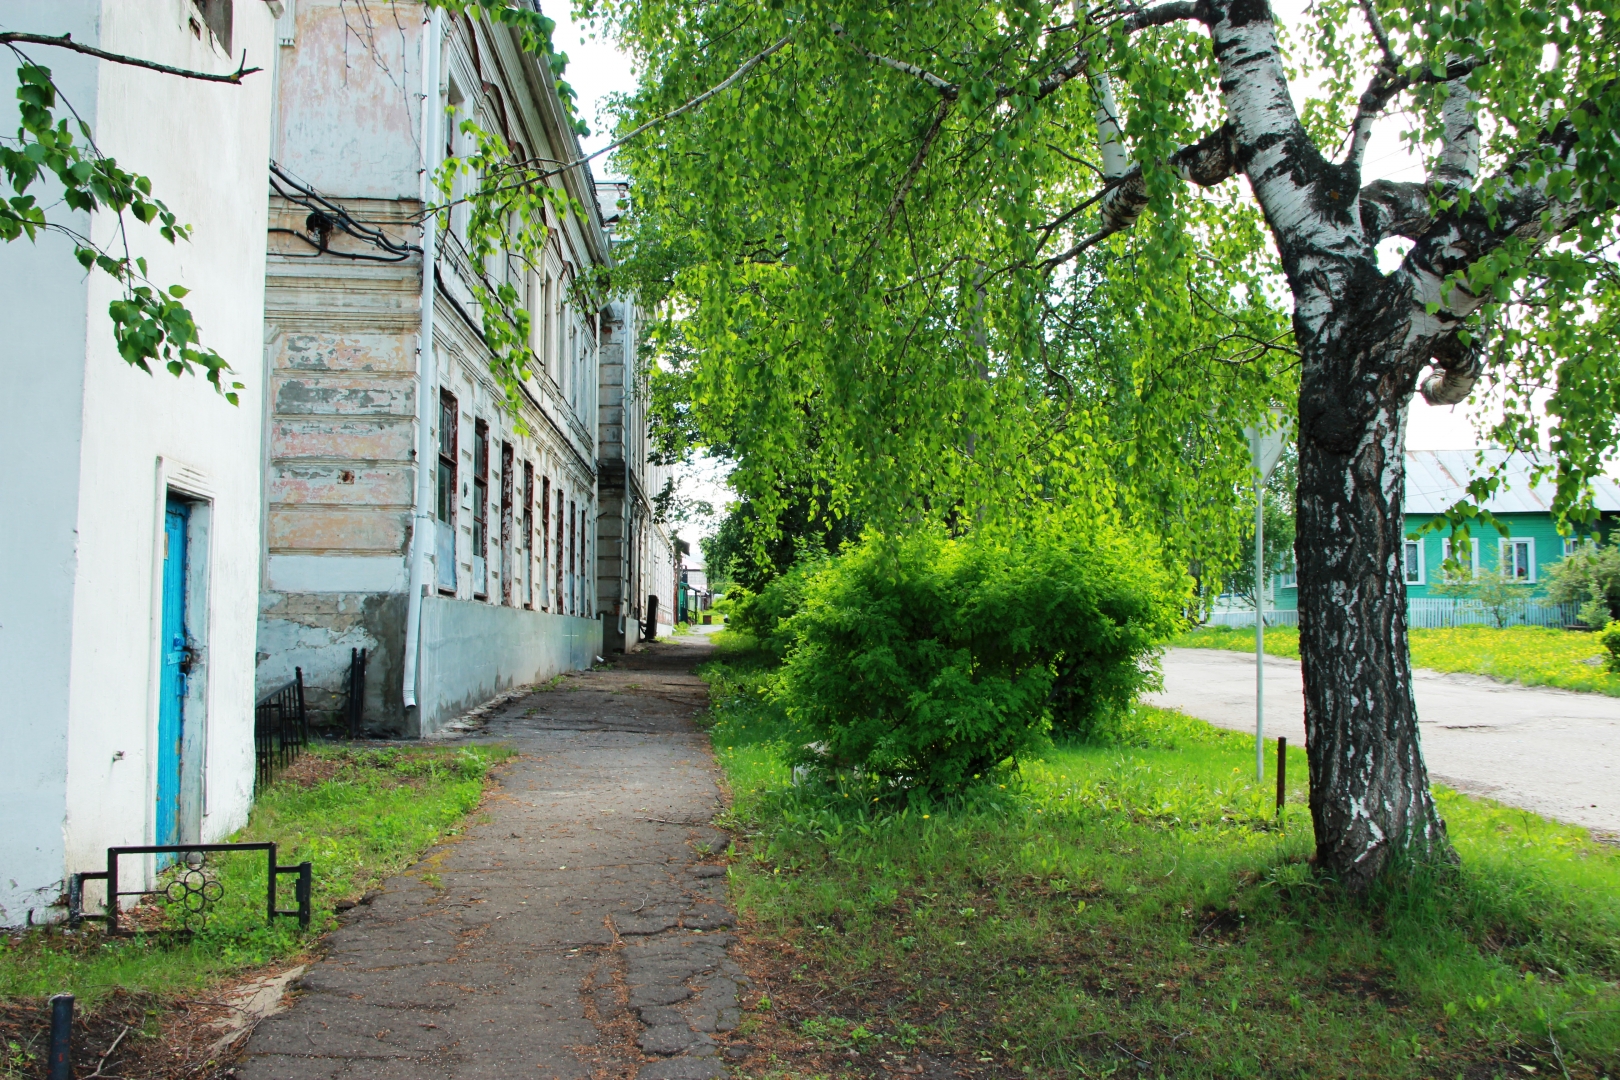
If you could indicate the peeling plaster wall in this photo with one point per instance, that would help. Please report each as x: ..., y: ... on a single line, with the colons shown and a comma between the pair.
x: 341, y: 356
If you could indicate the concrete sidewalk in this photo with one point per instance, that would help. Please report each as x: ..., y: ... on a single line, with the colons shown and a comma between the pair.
x: 1553, y: 752
x: 576, y: 930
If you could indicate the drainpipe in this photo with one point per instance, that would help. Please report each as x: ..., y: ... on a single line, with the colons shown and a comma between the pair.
x: 424, y: 525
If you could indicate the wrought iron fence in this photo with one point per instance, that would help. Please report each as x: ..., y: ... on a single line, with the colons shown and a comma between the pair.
x: 280, y: 729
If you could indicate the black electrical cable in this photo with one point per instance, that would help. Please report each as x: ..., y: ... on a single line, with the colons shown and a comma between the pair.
x: 326, y: 216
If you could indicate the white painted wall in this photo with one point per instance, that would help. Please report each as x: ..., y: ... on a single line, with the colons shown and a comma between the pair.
x: 39, y: 438
x: 79, y: 637
x: 473, y: 651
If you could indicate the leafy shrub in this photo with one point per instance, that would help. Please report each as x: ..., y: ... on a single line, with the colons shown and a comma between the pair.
x: 1503, y: 596
x: 1589, y: 576
x: 926, y: 661
x: 765, y: 615
x: 1611, y: 641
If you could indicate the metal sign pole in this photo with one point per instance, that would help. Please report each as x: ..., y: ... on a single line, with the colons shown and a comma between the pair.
x: 1265, y: 447
x: 1259, y: 623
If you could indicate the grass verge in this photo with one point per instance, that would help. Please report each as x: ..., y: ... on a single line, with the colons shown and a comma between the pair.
x: 1531, y: 655
x: 1138, y: 909
x: 359, y: 814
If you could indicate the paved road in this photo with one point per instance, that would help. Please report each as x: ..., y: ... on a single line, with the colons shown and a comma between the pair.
x: 577, y: 931
x: 1551, y: 751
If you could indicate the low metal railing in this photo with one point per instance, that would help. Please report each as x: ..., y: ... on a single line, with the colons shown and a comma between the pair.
x: 189, y: 888
x: 280, y: 729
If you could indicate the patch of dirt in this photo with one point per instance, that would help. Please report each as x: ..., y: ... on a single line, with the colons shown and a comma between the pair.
x: 309, y: 770
x: 771, y: 1039
x: 134, y: 1035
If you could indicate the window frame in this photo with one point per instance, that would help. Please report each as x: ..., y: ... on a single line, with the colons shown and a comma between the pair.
x: 1473, y: 552
x: 508, y: 497
x: 445, y: 503
x: 1507, y: 543
x: 545, y: 543
x: 480, y: 507
x: 528, y: 535
x: 1422, y: 562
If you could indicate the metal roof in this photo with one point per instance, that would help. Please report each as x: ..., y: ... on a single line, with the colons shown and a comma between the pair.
x: 1436, y: 479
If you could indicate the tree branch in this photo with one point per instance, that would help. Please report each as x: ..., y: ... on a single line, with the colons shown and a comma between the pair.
x: 746, y: 66
x: 1459, y: 153
x: 1207, y: 162
x: 1394, y: 209
x: 1374, y: 23
x: 916, y: 165
x: 1523, y: 208
x: 66, y: 42
x: 1165, y: 14
x: 949, y: 90
x: 1386, y: 83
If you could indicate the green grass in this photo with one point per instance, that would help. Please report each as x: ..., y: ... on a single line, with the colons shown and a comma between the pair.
x: 1137, y: 909
x: 368, y: 815
x: 1531, y: 655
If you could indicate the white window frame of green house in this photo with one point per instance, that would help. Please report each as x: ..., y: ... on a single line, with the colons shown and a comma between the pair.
x: 1473, y: 554
x: 1508, y: 564
x: 1287, y: 577
x: 1412, y: 558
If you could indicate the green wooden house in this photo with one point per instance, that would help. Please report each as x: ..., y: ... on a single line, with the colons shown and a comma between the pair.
x: 1436, y: 480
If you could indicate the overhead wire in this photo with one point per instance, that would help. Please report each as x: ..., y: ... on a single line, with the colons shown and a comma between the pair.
x: 325, y: 217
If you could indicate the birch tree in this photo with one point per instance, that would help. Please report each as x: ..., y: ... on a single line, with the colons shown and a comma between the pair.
x: 994, y: 252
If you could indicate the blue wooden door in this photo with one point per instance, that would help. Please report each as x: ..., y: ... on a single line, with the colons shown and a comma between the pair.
x: 172, y: 687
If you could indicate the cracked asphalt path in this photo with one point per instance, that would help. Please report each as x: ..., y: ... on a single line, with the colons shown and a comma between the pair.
x: 577, y: 930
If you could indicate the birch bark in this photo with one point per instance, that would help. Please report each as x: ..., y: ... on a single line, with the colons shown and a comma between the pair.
x: 1370, y: 798
x: 1364, y: 339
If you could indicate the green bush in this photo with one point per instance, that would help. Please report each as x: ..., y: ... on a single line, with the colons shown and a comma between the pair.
x: 766, y: 615
x: 1588, y: 576
x: 1611, y: 641
x: 926, y: 662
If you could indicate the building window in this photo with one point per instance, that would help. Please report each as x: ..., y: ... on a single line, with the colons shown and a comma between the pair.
x: 545, y: 543
x: 573, y: 565
x: 480, y: 506
x: 447, y: 458
x: 216, y: 16
x: 1412, y: 562
x: 528, y: 535
x: 1473, y: 557
x: 560, y: 564
x: 1518, y: 559
x: 1575, y: 544
x: 508, y: 498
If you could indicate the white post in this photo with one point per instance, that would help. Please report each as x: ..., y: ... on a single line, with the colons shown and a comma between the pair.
x: 1259, y: 621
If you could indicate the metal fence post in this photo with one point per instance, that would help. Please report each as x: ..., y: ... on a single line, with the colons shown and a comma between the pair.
x: 306, y: 885
x: 61, y: 1053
